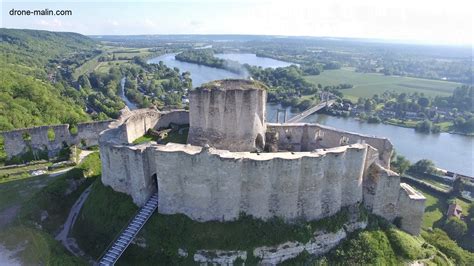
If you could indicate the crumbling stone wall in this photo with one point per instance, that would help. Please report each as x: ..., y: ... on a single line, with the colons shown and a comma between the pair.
x: 228, y: 115
x: 87, y: 133
x: 411, y: 207
x: 208, y: 184
x: 307, y: 137
x: 127, y: 168
x: 381, y: 191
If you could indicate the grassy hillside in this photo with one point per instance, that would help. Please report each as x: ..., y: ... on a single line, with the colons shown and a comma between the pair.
x: 106, y: 212
x: 43, y: 204
x: 436, y: 207
x: 35, y: 68
x: 368, y: 84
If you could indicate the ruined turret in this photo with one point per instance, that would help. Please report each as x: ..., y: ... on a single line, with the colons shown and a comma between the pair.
x: 229, y: 115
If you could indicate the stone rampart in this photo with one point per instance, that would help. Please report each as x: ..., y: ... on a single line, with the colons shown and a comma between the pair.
x: 208, y: 184
x: 37, y: 137
x: 314, y: 179
x: 411, y: 207
x: 129, y: 168
x: 307, y: 137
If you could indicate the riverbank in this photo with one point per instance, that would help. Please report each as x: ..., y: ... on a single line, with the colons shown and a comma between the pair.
x: 444, y: 127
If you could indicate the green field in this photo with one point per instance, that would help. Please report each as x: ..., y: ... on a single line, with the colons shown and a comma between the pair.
x: 368, y: 84
x: 103, y: 67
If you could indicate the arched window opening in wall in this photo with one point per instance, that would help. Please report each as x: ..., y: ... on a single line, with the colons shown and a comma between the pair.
x: 154, y: 182
x: 26, y: 136
x: 73, y: 130
x: 343, y: 141
x: 259, y: 143
x: 51, y: 134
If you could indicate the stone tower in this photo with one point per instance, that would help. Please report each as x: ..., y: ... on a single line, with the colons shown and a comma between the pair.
x: 228, y: 114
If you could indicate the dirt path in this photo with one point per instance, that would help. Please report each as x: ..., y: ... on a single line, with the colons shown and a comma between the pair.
x: 68, y: 242
x: 63, y: 236
x: 7, y: 257
x: 8, y: 215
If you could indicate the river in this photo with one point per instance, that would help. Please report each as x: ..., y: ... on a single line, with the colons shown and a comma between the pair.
x: 199, y: 74
x: 254, y: 60
x: 448, y: 151
x: 130, y: 104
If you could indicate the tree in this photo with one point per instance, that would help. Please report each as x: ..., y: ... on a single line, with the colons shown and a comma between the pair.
x: 84, y: 81
x: 423, y: 101
x: 402, y: 98
x: 424, y: 126
x: 368, y: 105
x: 458, y: 186
x: 423, y: 166
x: 470, y: 218
x: 400, y: 164
x: 455, y: 227
x: 305, y: 104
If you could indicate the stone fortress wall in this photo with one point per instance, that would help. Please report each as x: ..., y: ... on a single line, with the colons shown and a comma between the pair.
x: 87, y: 133
x: 129, y: 168
x: 210, y: 184
x: 307, y: 137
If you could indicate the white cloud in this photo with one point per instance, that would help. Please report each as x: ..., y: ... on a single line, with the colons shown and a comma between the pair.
x: 53, y: 24
x: 113, y: 23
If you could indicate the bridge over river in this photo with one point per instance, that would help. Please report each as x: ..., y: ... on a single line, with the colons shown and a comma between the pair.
x: 310, y: 111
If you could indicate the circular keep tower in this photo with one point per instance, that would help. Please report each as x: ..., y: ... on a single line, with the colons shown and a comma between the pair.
x: 228, y: 114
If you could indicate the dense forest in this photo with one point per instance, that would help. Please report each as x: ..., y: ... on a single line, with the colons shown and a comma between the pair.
x: 34, y: 88
x: 155, y: 84
x: 206, y: 57
x: 287, y: 86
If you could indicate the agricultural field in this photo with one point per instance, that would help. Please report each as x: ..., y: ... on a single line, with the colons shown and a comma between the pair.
x: 368, y: 84
x: 122, y: 54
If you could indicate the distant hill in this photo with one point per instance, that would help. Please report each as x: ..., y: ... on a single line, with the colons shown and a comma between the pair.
x: 35, y: 83
x: 41, y: 46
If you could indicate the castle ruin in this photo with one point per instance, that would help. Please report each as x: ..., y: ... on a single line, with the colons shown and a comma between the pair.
x: 308, y: 171
x: 236, y: 163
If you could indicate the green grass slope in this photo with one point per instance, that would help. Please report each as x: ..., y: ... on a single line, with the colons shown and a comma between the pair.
x: 44, y: 203
x: 106, y: 212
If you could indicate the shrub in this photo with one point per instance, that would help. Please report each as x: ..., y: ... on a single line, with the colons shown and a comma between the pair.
x: 440, y: 239
x: 373, y: 120
x: 406, y: 245
x: 455, y: 228
x: 365, y: 247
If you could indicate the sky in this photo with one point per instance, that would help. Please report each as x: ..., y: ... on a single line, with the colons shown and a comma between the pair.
x: 421, y: 21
